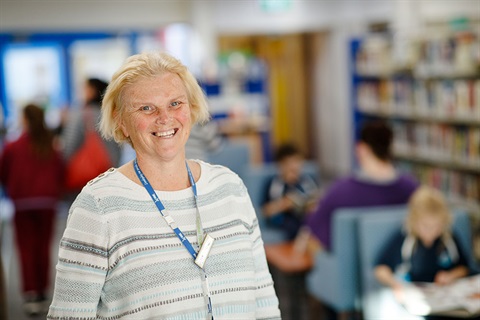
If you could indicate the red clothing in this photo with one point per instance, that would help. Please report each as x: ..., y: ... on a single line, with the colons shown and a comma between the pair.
x: 30, y: 182
x: 35, y: 186
x: 34, y: 235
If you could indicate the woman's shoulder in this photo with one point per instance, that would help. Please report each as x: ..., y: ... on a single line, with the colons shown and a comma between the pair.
x: 108, y: 190
x: 395, y: 241
x: 211, y: 169
x: 407, y: 180
x: 20, y: 140
x: 342, y: 185
x: 215, y: 175
x: 110, y: 182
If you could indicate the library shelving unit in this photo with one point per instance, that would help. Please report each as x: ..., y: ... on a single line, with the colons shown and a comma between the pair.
x: 432, y: 101
x: 239, y: 101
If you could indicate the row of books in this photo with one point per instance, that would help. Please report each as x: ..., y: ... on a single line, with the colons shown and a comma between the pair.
x: 457, y: 186
x: 454, y: 145
x: 450, y: 55
x: 458, y: 98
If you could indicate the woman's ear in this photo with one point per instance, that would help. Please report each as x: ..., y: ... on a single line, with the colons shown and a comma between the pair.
x: 121, y: 123
x: 124, y: 129
x: 123, y: 126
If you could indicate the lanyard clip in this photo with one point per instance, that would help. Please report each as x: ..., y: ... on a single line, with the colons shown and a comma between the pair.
x: 204, y: 251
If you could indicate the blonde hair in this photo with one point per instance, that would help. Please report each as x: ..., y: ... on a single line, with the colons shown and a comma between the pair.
x: 427, y: 201
x: 147, y: 65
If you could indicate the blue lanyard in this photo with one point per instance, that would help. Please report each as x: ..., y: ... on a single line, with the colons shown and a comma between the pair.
x: 171, y: 223
x: 174, y: 226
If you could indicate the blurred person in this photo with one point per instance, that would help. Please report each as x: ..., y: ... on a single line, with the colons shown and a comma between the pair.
x: 289, y: 193
x: 287, y: 198
x: 426, y: 250
x: 376, y: 183
x: 122, y: 254
x: 204, y: 139
x: 3, y: 127
x: 73, y: 134
x: 31, y: 171
x: 3, y: 293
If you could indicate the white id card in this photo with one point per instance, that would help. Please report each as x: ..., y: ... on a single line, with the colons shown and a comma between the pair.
x: 204, y: 251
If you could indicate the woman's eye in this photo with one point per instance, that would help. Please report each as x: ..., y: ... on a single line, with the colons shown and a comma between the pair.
x: 145, y: 108
x: 175, y: 103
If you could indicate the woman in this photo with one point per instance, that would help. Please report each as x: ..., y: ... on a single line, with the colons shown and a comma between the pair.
x: 31, y: 171
x: 132, y: 234
x: 377, y: 182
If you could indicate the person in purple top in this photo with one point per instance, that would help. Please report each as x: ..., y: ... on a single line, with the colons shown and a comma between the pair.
x: 377, y: 182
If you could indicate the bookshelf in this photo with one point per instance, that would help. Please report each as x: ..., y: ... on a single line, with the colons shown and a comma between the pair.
x: 237, y: 91
x: 432, y: 100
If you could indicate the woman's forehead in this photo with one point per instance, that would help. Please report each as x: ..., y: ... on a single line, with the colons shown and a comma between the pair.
x: 166, y: 86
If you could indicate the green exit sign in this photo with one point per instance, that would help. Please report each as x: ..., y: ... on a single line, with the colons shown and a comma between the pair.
x: 275, y: 5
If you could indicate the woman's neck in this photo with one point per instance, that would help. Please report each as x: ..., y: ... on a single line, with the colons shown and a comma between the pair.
x: 379, y: 170
x: 163, y: 175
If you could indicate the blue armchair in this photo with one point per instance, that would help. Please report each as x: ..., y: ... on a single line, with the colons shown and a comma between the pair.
x: 235, y: 155
x: 334, y: 279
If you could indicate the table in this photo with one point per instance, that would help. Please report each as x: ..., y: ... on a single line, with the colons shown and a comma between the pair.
x: 291, y: 265
x: 285, y: 258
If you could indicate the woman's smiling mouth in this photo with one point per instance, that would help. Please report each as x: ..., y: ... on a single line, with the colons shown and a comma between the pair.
x: 165, y: 134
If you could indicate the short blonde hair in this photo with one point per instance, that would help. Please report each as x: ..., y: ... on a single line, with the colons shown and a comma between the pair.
x: 147, y: 65
x: 427, y: 201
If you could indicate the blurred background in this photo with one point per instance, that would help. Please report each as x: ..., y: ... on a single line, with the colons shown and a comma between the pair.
x: 303, y: 71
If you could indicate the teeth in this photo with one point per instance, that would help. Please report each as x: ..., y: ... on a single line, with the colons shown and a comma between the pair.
x: 165, y: 133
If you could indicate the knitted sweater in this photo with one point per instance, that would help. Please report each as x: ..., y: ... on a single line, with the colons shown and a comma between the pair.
x: 119, y: 259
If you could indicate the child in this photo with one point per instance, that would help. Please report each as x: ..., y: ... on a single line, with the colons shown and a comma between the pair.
x: 290, y: 193
x: 427, y: 251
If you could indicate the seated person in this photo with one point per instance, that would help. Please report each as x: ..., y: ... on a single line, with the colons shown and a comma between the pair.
x: 426, y: 250
x: 376, y: 183
x: 289, y: 193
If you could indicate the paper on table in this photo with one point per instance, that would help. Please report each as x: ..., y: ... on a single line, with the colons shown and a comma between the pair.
x: 429, y: 298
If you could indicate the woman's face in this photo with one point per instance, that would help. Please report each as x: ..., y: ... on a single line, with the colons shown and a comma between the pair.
x: 428, y: 228
x: 157, y: 117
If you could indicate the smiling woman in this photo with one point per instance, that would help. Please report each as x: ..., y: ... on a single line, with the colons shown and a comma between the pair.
x: 162, y: 236
x: 157, y: 117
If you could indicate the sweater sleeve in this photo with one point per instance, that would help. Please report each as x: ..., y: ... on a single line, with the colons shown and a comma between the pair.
x: 82, y: 263
x: 319, y: 222
x: 266, y: 298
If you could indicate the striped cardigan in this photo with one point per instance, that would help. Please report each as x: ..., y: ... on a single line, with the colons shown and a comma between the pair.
x: 119, y: 259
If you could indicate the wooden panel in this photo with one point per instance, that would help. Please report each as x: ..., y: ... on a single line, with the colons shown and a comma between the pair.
x: 285, y: 58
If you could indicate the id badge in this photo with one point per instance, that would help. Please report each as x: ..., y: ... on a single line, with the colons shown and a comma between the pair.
x: 204, y: 251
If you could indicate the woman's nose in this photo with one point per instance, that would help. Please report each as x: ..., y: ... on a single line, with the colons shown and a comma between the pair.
x: 163, y: 116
